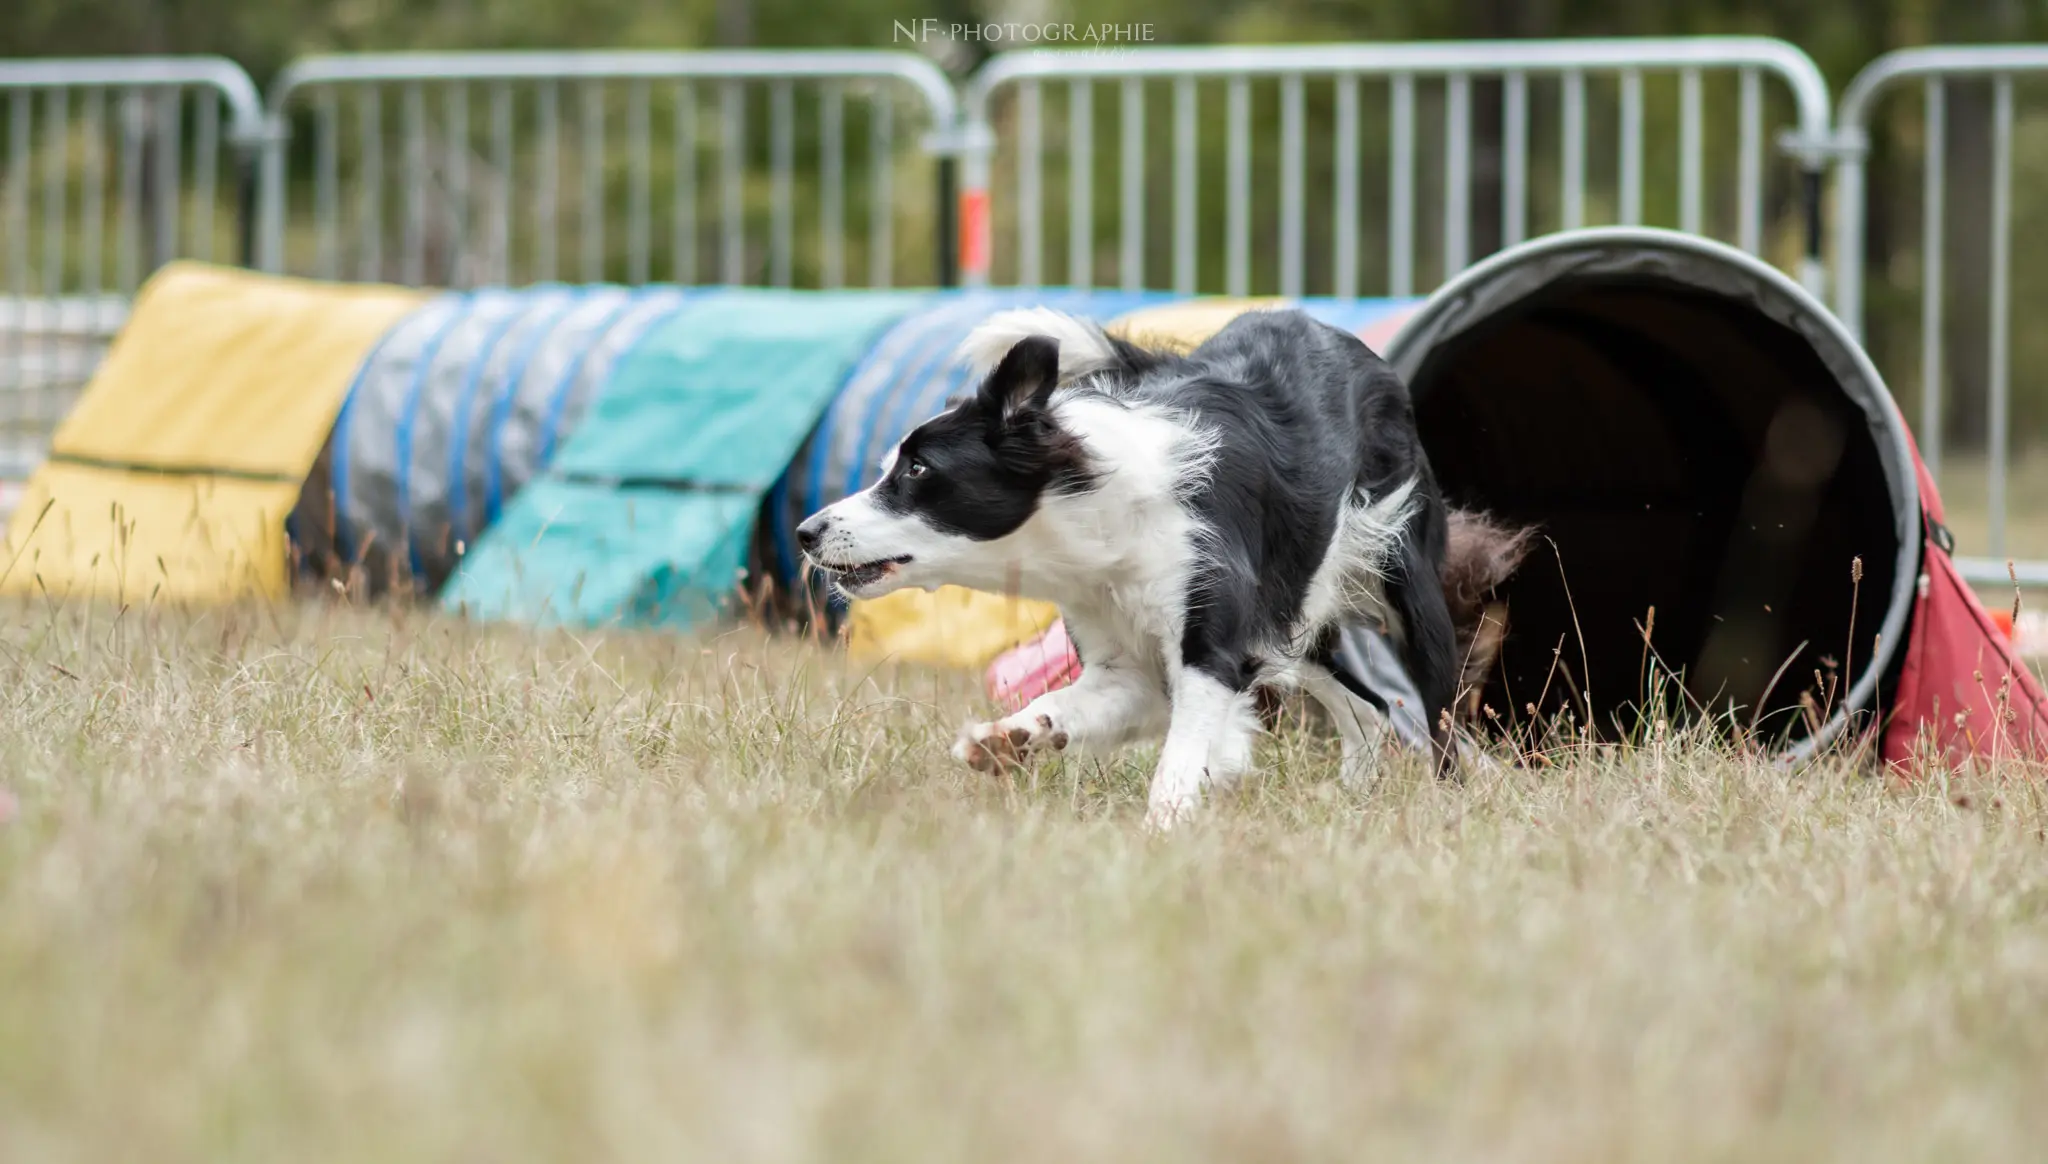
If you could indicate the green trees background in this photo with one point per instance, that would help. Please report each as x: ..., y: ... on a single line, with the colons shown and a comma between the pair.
x: 263, y: 34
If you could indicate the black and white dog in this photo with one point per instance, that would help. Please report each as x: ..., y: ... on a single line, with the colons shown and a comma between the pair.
x: 1205, y: 523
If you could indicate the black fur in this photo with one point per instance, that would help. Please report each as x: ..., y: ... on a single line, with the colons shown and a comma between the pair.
x: 1306, y: 415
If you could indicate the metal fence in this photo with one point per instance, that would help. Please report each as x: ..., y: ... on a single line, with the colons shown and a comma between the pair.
x: 461, y: 169
x: 1517, y: 123
x: 1954, y: 83
x: 108, y: 169
x: 1331, y: 169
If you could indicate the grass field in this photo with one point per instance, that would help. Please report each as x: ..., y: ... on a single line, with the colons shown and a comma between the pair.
x: 320, y: 884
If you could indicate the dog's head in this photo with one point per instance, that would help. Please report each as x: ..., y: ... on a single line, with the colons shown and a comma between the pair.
x: 971, y: 476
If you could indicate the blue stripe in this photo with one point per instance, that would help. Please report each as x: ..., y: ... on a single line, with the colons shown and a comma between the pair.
x: 778, y: 522
x: 560, y: 403
x: 501, y: 410
x: 559, y: 399
x: 401, y: 436
x: 338, y: 468
x: 465, y: 404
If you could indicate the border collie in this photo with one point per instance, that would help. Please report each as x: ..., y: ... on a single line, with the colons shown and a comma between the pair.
x: 1205, y: 522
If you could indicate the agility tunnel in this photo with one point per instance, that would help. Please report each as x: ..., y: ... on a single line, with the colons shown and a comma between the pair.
x: 1696, y: 437
x: 1727, y: 496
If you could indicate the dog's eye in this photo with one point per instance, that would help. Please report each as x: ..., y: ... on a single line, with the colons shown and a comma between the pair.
x: 915, y: 469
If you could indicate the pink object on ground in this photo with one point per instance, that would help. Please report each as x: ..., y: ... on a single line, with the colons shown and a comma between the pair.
x: 1023, y: 673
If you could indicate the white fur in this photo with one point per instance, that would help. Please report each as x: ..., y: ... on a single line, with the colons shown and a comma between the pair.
x: 1208, y: 745
x: 1084, y: 348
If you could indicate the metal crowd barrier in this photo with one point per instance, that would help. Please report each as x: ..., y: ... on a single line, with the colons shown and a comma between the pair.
x: 458, y: 169
x: 1004, y: 106
x: 802, y: 168
x: 108, y: 169
x: 1935, y: 69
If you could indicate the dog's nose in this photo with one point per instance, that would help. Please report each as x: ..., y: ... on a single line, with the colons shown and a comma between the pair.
x: 809, y: 531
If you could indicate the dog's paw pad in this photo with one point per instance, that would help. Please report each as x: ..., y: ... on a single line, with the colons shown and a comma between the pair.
x: 986, y: 746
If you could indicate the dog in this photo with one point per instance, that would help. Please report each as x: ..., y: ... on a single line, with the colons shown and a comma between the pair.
x: 1205, y: 522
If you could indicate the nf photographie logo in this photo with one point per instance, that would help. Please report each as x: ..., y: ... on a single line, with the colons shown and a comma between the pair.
x: 1015, y: 33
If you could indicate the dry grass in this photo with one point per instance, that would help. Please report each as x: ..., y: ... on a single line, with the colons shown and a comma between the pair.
x: 316, y: 885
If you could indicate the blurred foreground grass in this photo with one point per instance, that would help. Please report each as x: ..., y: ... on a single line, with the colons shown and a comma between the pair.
x: 320, y: 884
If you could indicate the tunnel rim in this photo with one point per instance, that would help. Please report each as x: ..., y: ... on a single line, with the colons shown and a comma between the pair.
x: 1463, y: 302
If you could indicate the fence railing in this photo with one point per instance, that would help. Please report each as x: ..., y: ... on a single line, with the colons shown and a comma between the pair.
x: 108, y: 169
x: 1006, y: 110
x: 469, y: 168
x: 1941, y: 73
x: 1337, y: 169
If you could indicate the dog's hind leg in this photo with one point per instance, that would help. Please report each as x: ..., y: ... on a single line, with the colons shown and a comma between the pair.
x: 1359, y: 724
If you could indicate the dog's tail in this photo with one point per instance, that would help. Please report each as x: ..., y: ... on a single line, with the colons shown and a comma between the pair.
x: 1085, y: 349
x: 1480, y: 554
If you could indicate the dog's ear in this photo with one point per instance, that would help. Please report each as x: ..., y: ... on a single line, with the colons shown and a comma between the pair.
x: 1025, y: 378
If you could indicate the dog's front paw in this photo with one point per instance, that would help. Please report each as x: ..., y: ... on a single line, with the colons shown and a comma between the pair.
x: 1166, y: 812
x: 1175, y: 796
x: 987, y: 746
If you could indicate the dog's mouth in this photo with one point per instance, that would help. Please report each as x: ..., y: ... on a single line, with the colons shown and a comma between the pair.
x: 865, y: 574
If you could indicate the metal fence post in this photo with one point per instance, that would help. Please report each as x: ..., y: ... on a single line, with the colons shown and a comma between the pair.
x: 972, y: 143
x: 948, y: 255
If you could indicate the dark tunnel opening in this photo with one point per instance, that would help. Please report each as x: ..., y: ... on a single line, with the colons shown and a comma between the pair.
x: 1684, y: 451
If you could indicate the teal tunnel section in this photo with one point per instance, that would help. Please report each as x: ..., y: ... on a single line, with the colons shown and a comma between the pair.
x: 643, y: 515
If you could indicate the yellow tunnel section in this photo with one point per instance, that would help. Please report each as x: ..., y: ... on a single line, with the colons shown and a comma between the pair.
x: 172, y: 477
